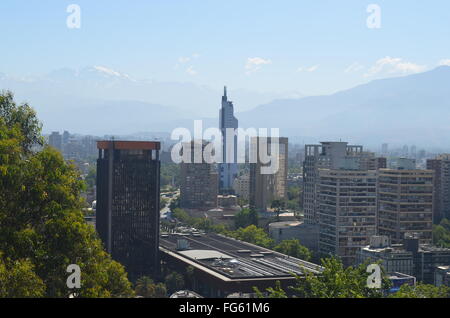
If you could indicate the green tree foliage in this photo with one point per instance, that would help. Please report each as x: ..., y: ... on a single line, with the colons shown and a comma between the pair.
x: 336, y: 281
x: 276, y: 292
x: 254, y: 235
x: 174, y: 204
x: 42, y: 228
x: 441, y: 234
x: 422, y: 291
x: 147, y: 288
x: 245, y: 217
x: 278, y: 205
x: 181, y: 215
x: 242, y: 202
x: 205, y: 224
x: 293, y: 198
x: 174, y: 282
x: 18, y: 280
x: 169, y: 172
x: 91, y: 178
x: 294, y: 248
x: 23, y: 117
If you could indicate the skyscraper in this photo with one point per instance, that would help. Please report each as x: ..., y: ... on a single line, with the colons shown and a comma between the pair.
x: 347, y: 208
x: 228, y: 169
x: 330, y: 155
x: 55, y: 140
x: 267, y: 187
x: 405, y: 204
x: 441, y: 205
x: 198, y: 181
x: 128, y: 192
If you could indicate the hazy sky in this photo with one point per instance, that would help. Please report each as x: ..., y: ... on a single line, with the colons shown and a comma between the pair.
x: 310, y: 47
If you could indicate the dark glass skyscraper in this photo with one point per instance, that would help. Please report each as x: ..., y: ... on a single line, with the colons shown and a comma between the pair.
x: 128, y: 192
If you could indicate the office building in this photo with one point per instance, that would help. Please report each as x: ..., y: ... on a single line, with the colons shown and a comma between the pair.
x: 330, y: 155
x: 368, y: 161
x: 128, y: 204
x: 306, y: 234
x: 405, y: 204
x: 198, y: 181
x: 347, y: 208
x: 412, y: 258
x: 55, y: 140
x: 441, y: 203
x: 228, y: 169
x: 442, y: 276
x: 241, y: 186
x: 266, y: 187
x: 402, y: 163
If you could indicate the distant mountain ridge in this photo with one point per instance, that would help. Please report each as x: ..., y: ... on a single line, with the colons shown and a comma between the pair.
x: 409, y: 109
x: 413, y: 109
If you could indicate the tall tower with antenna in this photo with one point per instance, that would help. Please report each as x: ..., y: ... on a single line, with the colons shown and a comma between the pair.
x: 228, y: 169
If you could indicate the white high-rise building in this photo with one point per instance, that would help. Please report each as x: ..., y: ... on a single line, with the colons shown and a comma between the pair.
x: 228, y: 169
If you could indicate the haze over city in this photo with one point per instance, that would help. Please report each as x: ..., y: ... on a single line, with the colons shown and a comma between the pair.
x: 231, y: 152
x: 172, y: 60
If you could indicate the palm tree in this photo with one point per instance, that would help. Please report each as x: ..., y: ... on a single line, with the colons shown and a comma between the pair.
x: 145, y: 287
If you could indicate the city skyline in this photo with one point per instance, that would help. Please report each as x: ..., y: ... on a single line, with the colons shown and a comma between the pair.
x: 236, y: 149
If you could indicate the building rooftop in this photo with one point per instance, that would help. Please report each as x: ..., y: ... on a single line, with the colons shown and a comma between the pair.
x: 232, y: 259
x: 129, y: 145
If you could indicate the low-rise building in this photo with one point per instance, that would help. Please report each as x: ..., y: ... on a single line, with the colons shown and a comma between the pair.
x: 306, y: 234
x: 393, y: 257
x: 442, y: 276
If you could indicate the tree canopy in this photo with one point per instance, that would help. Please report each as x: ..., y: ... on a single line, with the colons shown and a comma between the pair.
x: 254, y: 235
x: 294, y: 248
x: 42, y: 229
x: 441, y: 234
x: 245, y: 217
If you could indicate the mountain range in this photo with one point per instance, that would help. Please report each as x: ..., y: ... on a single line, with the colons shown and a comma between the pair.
x: 413, y: 109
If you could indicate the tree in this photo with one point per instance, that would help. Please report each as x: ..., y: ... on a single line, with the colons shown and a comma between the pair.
x: 146, y: 288
x: 294, y: 248
x: 276, y: 292
x: 181, y: 215
x: 245, y: 217
x: 91, y: 178
x: 441, y: 234
x: 41, y: 220
x: 174, y: 204
x: 174, y: 282
x: 336, y: 281
x: 22, y: 117
x: 242, y: 202
x: 422, y: 291
x: 254, y: 235
x: 278, y: 206
x: 18, y: 279
x: 293, y: 198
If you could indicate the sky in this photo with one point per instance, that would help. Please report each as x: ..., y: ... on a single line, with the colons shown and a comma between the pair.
x: 306, y: 47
